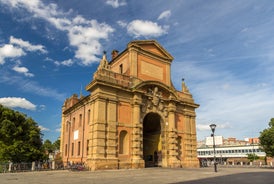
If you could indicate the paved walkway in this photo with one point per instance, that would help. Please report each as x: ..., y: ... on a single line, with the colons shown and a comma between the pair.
x: 145, y: 176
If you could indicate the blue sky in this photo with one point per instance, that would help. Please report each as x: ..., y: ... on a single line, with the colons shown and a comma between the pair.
x: 224, y: 50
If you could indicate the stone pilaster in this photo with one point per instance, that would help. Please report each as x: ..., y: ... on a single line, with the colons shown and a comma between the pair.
x: 137, y: 137
x: 91, y: 130
x: 111, y: 135
x: 172, y: 138
x: 98, y: 140
x: 111, y: 128
x: 63, y: 127
x: 133, y: 62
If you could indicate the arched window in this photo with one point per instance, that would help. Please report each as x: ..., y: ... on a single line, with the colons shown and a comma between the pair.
x: 123, y: 142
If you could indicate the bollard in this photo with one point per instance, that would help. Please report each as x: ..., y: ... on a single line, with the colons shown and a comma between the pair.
x: 32, y: 166
x: 53, y: 165
x: 10, y: 165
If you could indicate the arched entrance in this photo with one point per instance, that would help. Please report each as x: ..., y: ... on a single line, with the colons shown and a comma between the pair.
x: 152, y: 147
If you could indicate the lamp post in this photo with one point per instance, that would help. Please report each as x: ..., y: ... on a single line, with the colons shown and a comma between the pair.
x: 213, y: 126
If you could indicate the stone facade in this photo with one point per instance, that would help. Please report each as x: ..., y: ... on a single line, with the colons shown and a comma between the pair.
x: 133, y: 117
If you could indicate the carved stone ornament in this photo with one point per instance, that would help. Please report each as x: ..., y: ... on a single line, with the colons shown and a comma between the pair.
x: 154, y: 101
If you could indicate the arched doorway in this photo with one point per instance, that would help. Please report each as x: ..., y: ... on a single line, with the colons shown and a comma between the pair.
x: 152, y: 147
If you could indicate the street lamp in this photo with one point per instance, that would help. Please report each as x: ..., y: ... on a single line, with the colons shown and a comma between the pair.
x: 213, y: 126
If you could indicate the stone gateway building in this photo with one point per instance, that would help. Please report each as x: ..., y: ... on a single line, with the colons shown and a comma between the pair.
x: 133, y: 116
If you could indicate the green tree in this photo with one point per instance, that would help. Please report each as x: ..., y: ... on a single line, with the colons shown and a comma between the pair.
x: 20, y: 137
x: 267, y: 139
x: 56, y: 145
x: 251, y: 157
x: 48, y: 146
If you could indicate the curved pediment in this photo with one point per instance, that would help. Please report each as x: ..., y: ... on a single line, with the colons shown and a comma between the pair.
x: 149, y: 87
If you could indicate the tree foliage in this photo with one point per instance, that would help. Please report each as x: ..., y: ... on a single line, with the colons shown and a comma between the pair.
x: 56, y: 144
x: 267, y: 139
x: 48, y: 146
x: 20, y: 137
x: 252, y: 157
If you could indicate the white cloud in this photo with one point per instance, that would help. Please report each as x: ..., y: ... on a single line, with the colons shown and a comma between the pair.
x: 144, y: 28
x: 9, y: 51
x: 26, y: 45
x: 13, y: 102
x: 43, y: 128
x: 205, y: 127
x: 116, y: 3
x: 17, y: 48
x: 202, y: 127
x: 83, y: 34
x: 121, y: 23
x: 225, y: 99
x: 23, y: 70
x: 67, y: 62
x: 58, y: 130
x: 85, y: 37
x: 164, y: 15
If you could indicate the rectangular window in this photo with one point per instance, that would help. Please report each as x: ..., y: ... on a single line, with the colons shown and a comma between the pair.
x: 80, y: 120
x: 72, y: 148
x: 87, y: 146
x: 73, y: 123
x: 88, y: 116
x: 66, y: 150
x: 79, y: 148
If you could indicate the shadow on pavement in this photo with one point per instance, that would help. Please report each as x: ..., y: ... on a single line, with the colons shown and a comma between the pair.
x: 242, y: 178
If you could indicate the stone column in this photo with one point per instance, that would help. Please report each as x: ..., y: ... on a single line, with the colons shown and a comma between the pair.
x: 172, y: 138
x: 137, y: 135
x: 98, y: 155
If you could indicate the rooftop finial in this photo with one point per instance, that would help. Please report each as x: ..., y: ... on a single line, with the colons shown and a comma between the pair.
x: 184, y: 87
x: 105, y: 55
x: 103, y: 62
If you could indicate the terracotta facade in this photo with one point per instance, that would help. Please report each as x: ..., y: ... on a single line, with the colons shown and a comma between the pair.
x: 133, y: 117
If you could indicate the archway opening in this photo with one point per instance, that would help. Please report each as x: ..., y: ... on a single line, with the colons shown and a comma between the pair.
x: 152, y: 147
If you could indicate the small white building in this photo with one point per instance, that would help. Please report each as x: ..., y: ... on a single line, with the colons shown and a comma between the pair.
x: 228, y: 152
